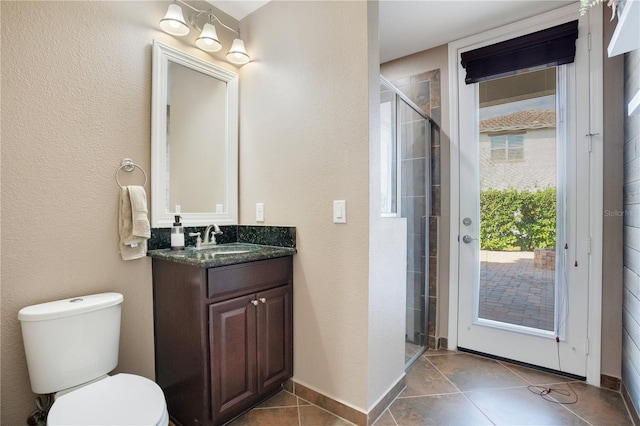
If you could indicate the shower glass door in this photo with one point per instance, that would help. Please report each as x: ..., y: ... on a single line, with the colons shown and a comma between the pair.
x: 406, y: 171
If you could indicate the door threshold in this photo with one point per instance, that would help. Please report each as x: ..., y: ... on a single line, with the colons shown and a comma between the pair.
x: 524, y: 364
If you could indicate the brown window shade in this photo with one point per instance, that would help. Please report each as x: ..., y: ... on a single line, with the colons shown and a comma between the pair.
x: 547, y: 48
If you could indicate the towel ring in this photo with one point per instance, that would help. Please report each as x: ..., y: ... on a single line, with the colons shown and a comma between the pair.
x: 128, y: 166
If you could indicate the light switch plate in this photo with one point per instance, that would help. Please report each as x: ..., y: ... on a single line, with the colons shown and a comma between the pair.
x: 259, y: 212
x: 339, y: 211
x: 219, y: 208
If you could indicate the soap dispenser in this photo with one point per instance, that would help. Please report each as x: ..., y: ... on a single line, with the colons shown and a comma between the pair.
x: 177, y: 235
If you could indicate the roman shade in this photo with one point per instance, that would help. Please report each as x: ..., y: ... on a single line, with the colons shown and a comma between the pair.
x: 546, y: 48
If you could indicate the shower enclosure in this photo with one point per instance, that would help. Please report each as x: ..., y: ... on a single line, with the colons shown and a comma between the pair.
x: 406, y: 134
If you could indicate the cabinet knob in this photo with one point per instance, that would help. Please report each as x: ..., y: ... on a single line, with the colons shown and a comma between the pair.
x: 263, y: 299
x: 254, y: 302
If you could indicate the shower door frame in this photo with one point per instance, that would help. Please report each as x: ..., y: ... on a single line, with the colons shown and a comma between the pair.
x: 399, y: 96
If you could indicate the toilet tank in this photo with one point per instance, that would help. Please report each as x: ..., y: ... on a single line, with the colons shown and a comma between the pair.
x: 72, y: 341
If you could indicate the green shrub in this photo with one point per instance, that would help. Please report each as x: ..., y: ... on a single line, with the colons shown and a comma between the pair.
x: 511, y: 219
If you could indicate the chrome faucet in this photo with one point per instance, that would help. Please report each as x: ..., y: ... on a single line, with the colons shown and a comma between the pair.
x: 210, y: 237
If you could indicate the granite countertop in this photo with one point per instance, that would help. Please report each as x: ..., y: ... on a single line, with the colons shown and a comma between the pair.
x: 222, y: 254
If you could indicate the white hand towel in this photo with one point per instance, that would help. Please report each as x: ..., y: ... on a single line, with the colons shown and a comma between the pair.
x: 141, y: 227
x: 131, y: 246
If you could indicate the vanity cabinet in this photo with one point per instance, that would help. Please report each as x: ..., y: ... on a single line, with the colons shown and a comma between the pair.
x: 223, y: 336
x: 248, y: 339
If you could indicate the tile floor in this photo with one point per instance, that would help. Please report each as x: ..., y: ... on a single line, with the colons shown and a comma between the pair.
x: 286, y: 409
x: 449, y: 388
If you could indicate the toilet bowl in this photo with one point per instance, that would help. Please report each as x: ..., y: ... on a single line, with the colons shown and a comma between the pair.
x: 122, y: 399
x: 71, y: 345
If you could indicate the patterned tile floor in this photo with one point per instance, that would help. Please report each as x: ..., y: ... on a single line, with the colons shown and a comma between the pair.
x: 450, y: 388
x: 514, y: 291
x: 286, y: 409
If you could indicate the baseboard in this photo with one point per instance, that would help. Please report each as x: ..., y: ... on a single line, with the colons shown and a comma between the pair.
x: 385, y: 401
x: 633, y: 412
x: 443, y: 343
x: 342, y: 410
x: 609, y: 382
x: 338, y: 408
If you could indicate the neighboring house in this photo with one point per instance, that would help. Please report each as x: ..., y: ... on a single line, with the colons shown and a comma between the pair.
x: 518, y: 150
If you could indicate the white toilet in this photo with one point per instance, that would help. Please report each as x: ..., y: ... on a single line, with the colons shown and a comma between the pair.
x: 71, y: 345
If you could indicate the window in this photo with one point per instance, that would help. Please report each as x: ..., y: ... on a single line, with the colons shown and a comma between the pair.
x: 507, y: 148
x: 388, y: 152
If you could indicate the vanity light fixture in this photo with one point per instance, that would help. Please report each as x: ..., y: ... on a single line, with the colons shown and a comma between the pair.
x: 208, y: 40
x: 237, y: 54
x: 174, y: 23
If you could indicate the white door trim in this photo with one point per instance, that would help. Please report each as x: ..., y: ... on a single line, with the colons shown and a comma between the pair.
x: 516, y: 29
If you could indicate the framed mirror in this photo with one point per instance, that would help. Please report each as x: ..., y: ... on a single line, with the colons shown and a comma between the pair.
x: 194, y: 140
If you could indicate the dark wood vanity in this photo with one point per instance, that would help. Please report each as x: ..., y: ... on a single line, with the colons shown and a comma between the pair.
x: 223, y: 336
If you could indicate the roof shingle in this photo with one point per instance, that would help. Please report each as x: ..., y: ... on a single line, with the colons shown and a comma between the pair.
x: 531, y: 119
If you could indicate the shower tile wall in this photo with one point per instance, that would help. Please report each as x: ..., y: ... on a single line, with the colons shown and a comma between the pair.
x: 424, y: 90
x: 414, y: 142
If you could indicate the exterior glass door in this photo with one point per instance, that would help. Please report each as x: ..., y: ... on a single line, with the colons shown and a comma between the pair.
x: 519, y: 210
x: 518, y: 227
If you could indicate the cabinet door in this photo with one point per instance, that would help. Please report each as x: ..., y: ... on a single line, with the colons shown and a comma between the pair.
x: 232, y: 333
x: 275, y: 338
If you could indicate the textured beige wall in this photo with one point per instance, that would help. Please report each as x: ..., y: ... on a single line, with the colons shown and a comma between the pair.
x: 436, y: 58
x: 304, y: 143
x: 76, y: 96
x: 387, y: 253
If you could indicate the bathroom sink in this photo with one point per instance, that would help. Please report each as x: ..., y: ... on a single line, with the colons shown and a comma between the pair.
x: 222, y: 249
x: 225, y: 250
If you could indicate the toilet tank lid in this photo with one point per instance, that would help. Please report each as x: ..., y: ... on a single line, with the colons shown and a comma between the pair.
x: 69, y: 307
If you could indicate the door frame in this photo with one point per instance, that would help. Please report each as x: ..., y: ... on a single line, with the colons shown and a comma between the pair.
x: 593, y: 125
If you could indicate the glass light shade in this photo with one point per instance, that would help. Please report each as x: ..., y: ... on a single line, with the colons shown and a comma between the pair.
x: 208, y: 40
x: 173, y: 22
x: 237, y: 54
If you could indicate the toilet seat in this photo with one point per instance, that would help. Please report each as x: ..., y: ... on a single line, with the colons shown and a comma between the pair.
x: 122, y: 399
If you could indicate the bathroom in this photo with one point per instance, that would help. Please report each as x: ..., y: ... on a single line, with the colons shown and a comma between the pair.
x: 77, y: 100
x: 76, y: 83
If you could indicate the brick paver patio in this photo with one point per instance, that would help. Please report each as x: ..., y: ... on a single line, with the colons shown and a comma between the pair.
x: 514, y: 291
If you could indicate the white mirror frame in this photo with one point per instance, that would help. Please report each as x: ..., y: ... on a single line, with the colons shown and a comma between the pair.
x: 160, y: 218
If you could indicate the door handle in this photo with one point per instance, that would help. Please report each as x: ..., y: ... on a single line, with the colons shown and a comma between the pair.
x: 468, y: 238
